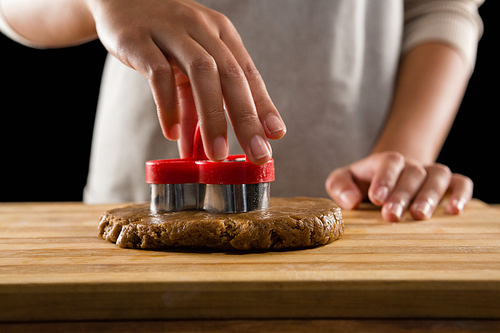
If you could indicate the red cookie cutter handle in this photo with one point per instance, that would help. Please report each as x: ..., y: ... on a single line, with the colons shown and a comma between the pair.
x: 173, y: 171
x: 198, y: 148
x: 179, y: 170
x: 236, y: 169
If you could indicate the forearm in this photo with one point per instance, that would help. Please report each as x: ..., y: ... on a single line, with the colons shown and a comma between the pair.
x: 430, y: 86
x: 50, y: 23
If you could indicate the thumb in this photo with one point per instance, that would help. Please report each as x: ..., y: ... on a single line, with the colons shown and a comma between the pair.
x: 342, y: 188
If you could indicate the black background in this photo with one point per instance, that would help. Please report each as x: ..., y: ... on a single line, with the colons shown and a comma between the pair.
x: 38, y: 125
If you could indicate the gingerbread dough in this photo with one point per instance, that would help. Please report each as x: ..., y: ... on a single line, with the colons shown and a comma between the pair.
x: 289, y: 223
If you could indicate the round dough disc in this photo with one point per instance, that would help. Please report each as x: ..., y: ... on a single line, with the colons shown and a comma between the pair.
x: 287, y: 224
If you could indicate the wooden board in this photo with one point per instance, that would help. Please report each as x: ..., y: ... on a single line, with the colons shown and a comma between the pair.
x: 53, y: 266
x: 260, y: 326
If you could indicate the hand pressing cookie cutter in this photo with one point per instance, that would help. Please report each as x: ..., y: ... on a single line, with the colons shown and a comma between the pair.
x: 234, y: 185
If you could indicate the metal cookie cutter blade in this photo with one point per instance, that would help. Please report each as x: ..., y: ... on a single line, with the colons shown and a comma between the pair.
x: 233, y: 186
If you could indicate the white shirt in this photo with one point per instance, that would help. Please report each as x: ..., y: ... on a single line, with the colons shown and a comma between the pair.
x: 329, y: 66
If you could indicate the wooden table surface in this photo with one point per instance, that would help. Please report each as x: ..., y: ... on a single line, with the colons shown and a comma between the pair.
x: 54, y: 267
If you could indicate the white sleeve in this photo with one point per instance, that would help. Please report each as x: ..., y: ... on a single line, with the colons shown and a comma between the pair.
x: 7, y: 30
x: 454, y: 22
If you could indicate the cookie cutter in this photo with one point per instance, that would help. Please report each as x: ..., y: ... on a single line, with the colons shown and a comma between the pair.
x: 234, y: 185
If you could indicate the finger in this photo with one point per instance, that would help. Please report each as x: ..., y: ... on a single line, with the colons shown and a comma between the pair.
x: 202, y: 70
x: 238, y: 99
x: 408, y: 185
x: 461, y: 189
x: 342, y: 188
x: 432, y: 191
x: 189, y: 117
x: 268, y: 114
x: 152, y: 64
x: 386, y: 177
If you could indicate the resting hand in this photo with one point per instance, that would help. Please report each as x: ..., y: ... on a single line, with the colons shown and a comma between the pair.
x: 196, y: 64
x: 397, y: 184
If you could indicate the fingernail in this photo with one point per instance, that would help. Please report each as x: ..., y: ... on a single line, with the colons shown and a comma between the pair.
x: 220, y: 149
x: 381, y: 194
x: 423, y: 208
x: 274, y: 124
x: 459, y: 204
x: 258, y: 148
x: 175, y: 132
x: 348, y: 199
x: 396, y: 209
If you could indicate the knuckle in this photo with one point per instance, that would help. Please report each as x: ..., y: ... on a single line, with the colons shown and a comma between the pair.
x: 158, y: 71
x: 335, y: 180
x: 470, y: 184
x: 389, y: 178
x: 188, y: 13
x: 201, y: 63
x: 212, y: 120
x: 463, y: 179
x: 468, y: 181
x: 432, y: 196
x: 440, y: 170
x: 126, y: 37
x: 416, y: 170
x: 394, y: 157
x: 232, y: 72
x: 222, y: 20
x: 263, y: 102
x: 212, y: 113
x: 225, y: 25
x: 121, y: 46
x: 246, y: 117
x: 402, y: 197
x: 338, y: 173
x: 251, y: 71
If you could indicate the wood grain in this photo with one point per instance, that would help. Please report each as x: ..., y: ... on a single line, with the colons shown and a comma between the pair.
x: 260, y: 326
x: 53, y: 266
